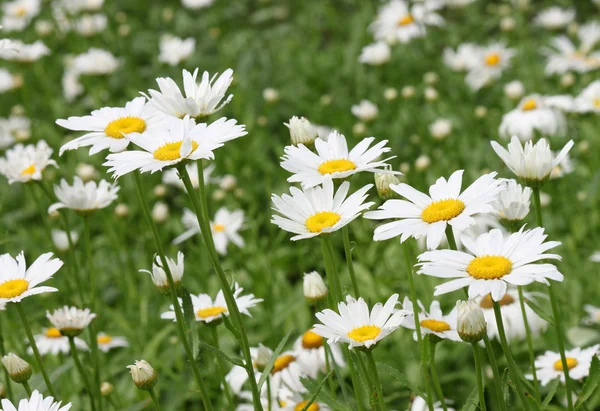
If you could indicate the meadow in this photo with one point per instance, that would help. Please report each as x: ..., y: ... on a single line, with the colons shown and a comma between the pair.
x: 209, y: 207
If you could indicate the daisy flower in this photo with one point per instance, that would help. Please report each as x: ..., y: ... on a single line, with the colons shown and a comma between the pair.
x: 533, y: 114
x: 549, y: 365
x: 492, y: 262
x: 333, y: 159
x: 427, y: 216
x: 18, y: 282
x: 200, y: 100
x: 208, y: 310
x: 296, y: 401
x: 173, y: 50
x: 107, y: 342
x: 190, y: 222
x: 94, y: 62
x: 356, y: 326
x: 513, y: 203
x: 24, y: 53
x: 12, y: 129
x: 225, y: 228
x: 595, y: 257
x: 36, y: 402
x: 317, y: 210
x: 310, y: 347
x: 512, y: 317
x: 51, y: 341
x: 365, y: 110
x: 564, y: 55
x: 8, y: 81
x: 159, y: 277
x: 184, y: 140
x: 375, y: 54
x: 107, y: 127
x: 70, y: 321
x: 238, y: 376
x: 196, y: 4
x: 26, y: 163
x: 420, y: 404
x: 491, y: 62
x: 84, y: 197
x: 554, y: 18
x: 17, y: 14
x: 593, y: 314
x: 466, y: 56
x: 90, y: 24
x: 588, y: 101
x: 531, y: 163
x: 432, y: 322
x: 171, y: 176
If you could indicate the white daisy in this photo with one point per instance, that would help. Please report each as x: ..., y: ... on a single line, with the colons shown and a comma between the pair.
x: 171, y: 176
x: 17, y: 281
x: 12, y: 129
x: 492, y: 262
x: 94, y: 62
x: 207, y: 310
x: 595, y: 257
x: 310, y: 348
x: 564, y: 55
x: 17, y: 14
x: 238, y: 376
x: 549, y: 365
x: 317, y: 210
x: 333, y: 159
x: 107, y: 342
x: 184, y: 140
x: 7, y: 80
x: 173, y: 50
x: 554, y: 18
x: 593, y: 314
x: 70, y: 321
x: 533, y: 114
x: 375, y: 54
x: 51, y: 341
x: 432, y: 322
x: 26, y: 163
x: 36, y: 402
x: 159, y: 277
x: 588, y: 101
x: 566, y: 166
x: 427, y: 216
x: 296, y: 401
x: 90, y: 24
x: 108, y: 127
x: 491, y: 62
x: 196, y: 4
x: 225, y: 228
x: 190, y: 222
x: 532, y: 163
x: 513, y: 203
x: 356, y: 325
x: 24, y: 53
x: 466, y: 56
x: 84, y: 197
x: 512, y: 317
x: 200, y: 100
x: 365, y: 110
x: 420, y: 404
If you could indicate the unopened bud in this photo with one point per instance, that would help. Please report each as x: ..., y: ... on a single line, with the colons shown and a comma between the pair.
x: 18, y: 369
x: 263, y: 356
x: 314, y: 287
x: 143, y: 375
x: 382, y: 183
x: 106, y: 389
x: 301, y: 131
x: 471, y: 325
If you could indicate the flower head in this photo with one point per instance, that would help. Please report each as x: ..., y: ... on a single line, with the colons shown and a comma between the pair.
x: 433, y: 322
x: 26, y: 163
x: 18, y: 369
x: 173, y: 50
x: 52, y: 341
x: 107, y: 342
x: 159, y: 276
x: 301, y: 131
x: 471, y: 324
x: 36, y: 402
x: 17, y: 281
x: 396, y: 21
x: 70, y: 321
x: 143, y: 375
x: 513, y: 203
x: 550, y: 367
x: 536, y: 114
x: 314, y: 287
x: 84, y: 197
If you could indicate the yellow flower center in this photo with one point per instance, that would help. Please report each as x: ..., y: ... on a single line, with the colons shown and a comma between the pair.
x: 442, y: 210
x: 336, y: 166
x: 571, y: 362
x: 211, y: 311
x: 170, y: 151
x: 53, y: 333
x: 104, y: 339
x: 311, y: 339
x: 300, y: 406
x: 13, y: 288
x: 489, y: 267
x: 492, y: 59
x: 218, y: 228
x: 406, y: 20
x: 125, y: 125
x: 364, y: 333
x: 529, y: 105
x: 487, y: 302
x: 28, y: 171
x: 597, y: 102
x: 20, y: 11
x: 282, y: 362
x: 317, y: 222
x: 435, y: 325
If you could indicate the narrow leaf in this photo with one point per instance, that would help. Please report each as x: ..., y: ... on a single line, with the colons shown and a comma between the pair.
x: 393, y: 372
x: 551, y: 393
x: 324, y: 396
x: 234, y: 361
x: 313, y: 397
x: 269, y: 367
x: 591, y: 383
x: 540, y: 311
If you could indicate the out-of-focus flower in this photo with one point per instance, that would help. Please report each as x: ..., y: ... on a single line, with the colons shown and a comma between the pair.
x: 365, y: 111
x: 375, y: 54
x: 174, y: 50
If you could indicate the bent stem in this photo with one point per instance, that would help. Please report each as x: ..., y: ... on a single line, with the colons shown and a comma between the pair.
x: 201, y: 209
x: 480, y: 384
x: 536, y: 385
x: 27, y: 388
x: 173, y: 294
x: 434, y: 375
x: 154, y: 398
x: 375, y: 376
x: 349, y: 263
x: 82, y: 372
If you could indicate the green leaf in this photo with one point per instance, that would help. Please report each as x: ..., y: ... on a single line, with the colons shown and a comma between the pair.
x: 313, y: 397
x: 591, y: 383
x: 393, y: 372
x: 551, y: 393
x: 471, y: 404
x: 540, y: 311
x: 234, y: 361
x: 267, y: 371
x: 324, y: 396
x: 190, y: 318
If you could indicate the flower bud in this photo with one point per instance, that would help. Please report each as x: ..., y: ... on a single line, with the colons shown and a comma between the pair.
x: 514, y: 90
x: 18, y: 369
x: 471, y: 325
x: 106, y: 389
x: 270, y: 95
x: 430, y: 77
x: 390, y: 93
x: 314, y: 287
x: 160, y: 212
x: 61, y: 239
x: 122, y: 210
x: 301, y: 131
x: 143, y: 375
x: 228, y: 182
x: 382, y: 182
x: 431, y: 94
x: 159, y: 190
x: 422, y: 162
x: 86, y: 172
x: 407, y: 92
x: 263, y: 356
x: 441, y: 128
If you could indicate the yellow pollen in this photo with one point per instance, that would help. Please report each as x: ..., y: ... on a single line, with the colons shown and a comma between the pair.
x: 487, y: 302
x: 20, y: 11
x: 317, y: 222
x: 529, y: 105
x: 282, y: 362
x: 336, y: 166
x: 364, y: 333
x: 170, y: 151
x: 104, y: 339
x: 125, y: 125
x: 571, y: 362
x: 218, y: 228
x: 597, y: 102
x: 435, y: 325
x: 489, y: 267
x: 311, y: 339
x: 13, y: 288
x: 300, y: 406
x: 211, y: 312
x: 53, y: 333
x: 406, y: 20
x: 28, y: 171
x: 442, y: 210
x: 492, y: 59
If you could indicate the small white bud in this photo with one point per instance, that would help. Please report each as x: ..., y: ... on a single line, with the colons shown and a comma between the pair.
x: 583, y: 146
x: 507, y: 24
x: 159, y: 276
x: 582, y: 196
x: 480, y: 111
x: 124, y: 30
x: 301, y: 131
x: 159, y: 190
x: 122, y: 210
x: 262, y: 121
x: 228, y: 182
x: 160, y: 212
x: 514, y: 90
x: 407, y: 92
x: 61, y: 239
x: 390, y: 93
x: 431, y: 77
x: 470, y: 323
x: 365, y: 111
x: 382, y: 183
x: 545, y: 199
x: 431, y: 94
x: 43, y: 27
x: 359, y: 129
x: 314, y: 287
x: 422, y: 162
x: 86, y: 172
x: 219, y: 195
x: 404, y: 167
x: 270, y: 95
x: 440, y: 129
x: 18, y: 369
x: 106, y: 389
x: 567, y: 80
x: 326, y: 99
x: 143, y: 375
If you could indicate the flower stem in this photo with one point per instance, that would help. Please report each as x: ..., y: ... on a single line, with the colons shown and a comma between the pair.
x: 173, y: 294
x: 269, y: 398
x: 375, y: 376
x: 27, y: 388
x: 529, y: 343
x: 512, y: 366
x: 201, y: 208
x: 221, y: 366
x: 413, y: 298
x: 478, y: 368
x: 154, y: 398
x: 82, y: 372
x: 9, y: 393
x: 332, y: 274
x: 36, y: 352
x: 434, y: 375
x: 349, y: 263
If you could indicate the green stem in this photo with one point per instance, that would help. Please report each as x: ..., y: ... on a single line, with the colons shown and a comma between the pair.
x: 36, y: 352
x: 529, y: 339
x: 221, y: 367
x: 330, y: 268
x: 349, y: 263
x: 434, y: 375
x: 423, y: 350
x: 512, y: 366
x: 82, y: 371
x: 450, y: 237
x: 154, y: 398
x: 375, y: 376
x: 495, y: 372
x: 9, y: 393
x: 538, y: 207
x: 27, y: 388
x: 269, y: 393
x: 173, y: 294
x: 354, y: 377
x: 478, y: 368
